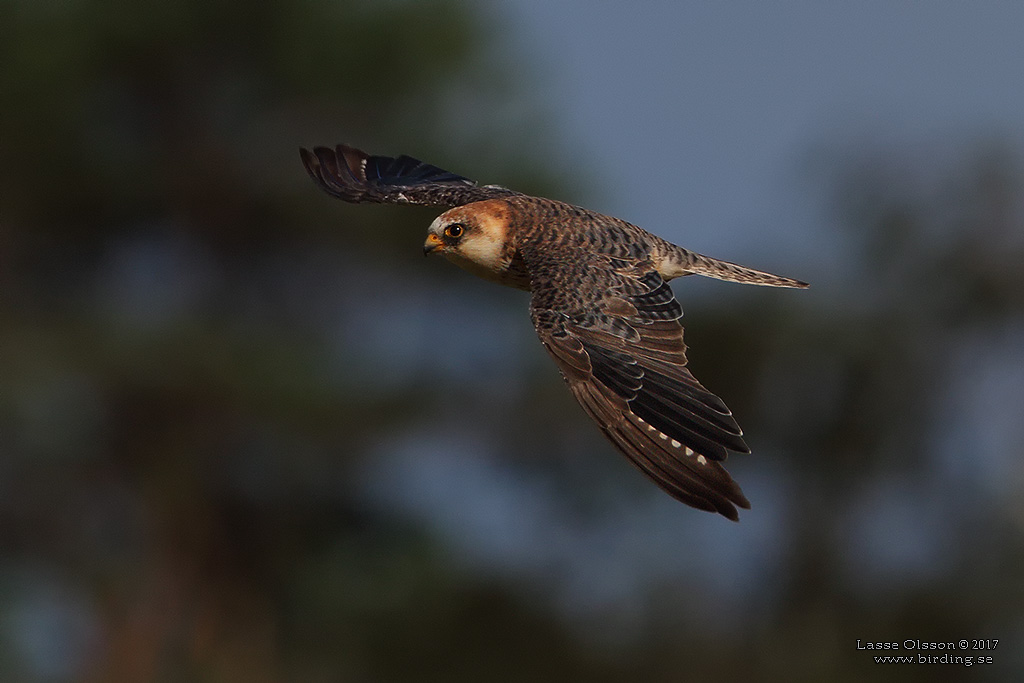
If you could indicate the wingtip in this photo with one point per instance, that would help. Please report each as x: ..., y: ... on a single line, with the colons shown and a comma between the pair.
x: 311, y: 162
x: 334, y: 169
x: 738, y: 501
x: 308, y: 158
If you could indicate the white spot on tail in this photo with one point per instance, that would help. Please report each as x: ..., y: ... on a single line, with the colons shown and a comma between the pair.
x: 689, y: 451
x: 676, y: 444
x: 702, y: 460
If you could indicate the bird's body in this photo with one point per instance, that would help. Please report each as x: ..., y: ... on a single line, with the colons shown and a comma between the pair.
x: 600, y: 303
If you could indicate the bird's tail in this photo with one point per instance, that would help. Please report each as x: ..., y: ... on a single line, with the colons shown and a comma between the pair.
x: 681, y: 261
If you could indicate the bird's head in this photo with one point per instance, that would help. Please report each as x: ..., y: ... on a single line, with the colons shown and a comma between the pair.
x: 474, y: 237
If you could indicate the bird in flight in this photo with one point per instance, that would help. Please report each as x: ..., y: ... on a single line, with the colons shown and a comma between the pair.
x: 601, y: 305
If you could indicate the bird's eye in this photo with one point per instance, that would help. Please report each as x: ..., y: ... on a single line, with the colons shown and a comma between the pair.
x: 454, y: 230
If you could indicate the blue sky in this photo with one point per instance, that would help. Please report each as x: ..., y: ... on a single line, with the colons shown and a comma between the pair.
x: 709, y: 112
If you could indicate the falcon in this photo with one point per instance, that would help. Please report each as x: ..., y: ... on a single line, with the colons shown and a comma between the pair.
x: 601, y: 305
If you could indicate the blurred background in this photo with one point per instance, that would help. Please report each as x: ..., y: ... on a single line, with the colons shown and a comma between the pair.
x: 248, y: 433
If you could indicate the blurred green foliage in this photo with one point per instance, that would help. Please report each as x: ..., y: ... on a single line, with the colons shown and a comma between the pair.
x: 202, y: 357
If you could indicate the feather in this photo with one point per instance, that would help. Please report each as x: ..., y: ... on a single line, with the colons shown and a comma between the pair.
x: 350, y: 174
x: 625, y: 361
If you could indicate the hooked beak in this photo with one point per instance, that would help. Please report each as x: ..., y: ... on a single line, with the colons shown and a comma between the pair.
x: 432, y: 244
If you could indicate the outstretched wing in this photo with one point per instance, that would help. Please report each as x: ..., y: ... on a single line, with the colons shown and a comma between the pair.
x: 355, y: 176
x: 617, y: 340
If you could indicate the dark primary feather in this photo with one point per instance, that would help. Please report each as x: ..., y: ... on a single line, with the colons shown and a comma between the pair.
x: 619, y: 345
x: 355, y: 176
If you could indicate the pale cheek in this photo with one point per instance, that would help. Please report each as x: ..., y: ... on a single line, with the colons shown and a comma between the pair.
x: 486, y: 253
